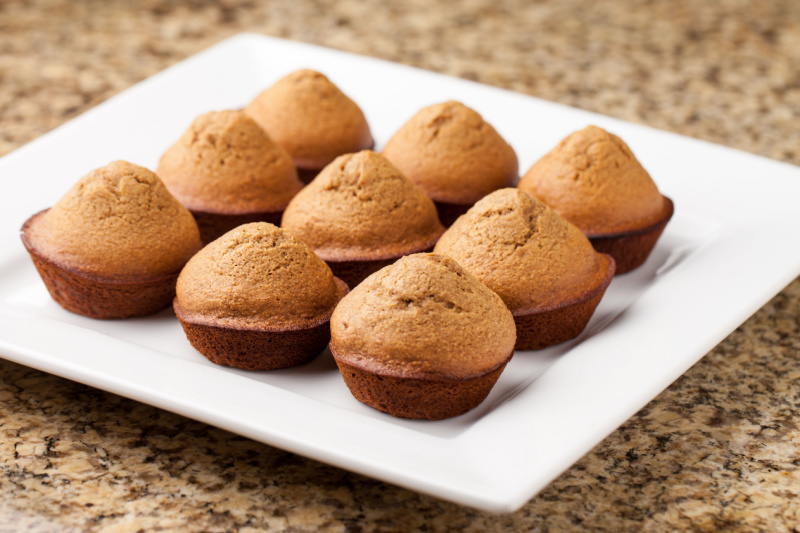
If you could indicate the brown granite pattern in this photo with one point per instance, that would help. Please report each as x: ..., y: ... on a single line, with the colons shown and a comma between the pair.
x: 718, y: 450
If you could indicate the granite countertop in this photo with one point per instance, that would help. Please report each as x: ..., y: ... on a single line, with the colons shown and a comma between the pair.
x: 718, y: 450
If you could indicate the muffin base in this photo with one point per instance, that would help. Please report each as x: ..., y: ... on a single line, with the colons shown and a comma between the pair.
x: 307, y: 175
x: 354, y: 271
x: 257, y: 349
x: 541, y: 328
x: 253, y: 349
x: 214, y: 225
x: 97, y: 297
x: 425, y: 399
x: 448, y: 213
x: 632, y: 248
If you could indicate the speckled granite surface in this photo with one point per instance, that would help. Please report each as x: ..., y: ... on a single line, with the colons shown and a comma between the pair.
x: 718, y: 450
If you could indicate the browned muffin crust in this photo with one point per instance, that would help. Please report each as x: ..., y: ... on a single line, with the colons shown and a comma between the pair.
x: 592, y: 179
x: 257, y: 276
x: 423, y: 317
x: 118, y: 222
x: 361, y: 208
x: 311, y: 119
x: 523, y: 250
x: 226, y: 164
x: 454, y: 155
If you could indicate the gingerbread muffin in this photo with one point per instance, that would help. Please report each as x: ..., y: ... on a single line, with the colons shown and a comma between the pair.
x: 113, y: 246
x: 312, y: 120
x: 594, y: 181
x: 422, y: 338
x: 455, y: 156
x: 229, y: 172
x: 543, y: 267
x: 361, y: 214
x: 257, y: 298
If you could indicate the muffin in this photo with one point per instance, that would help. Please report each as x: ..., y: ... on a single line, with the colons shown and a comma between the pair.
x: 257, y: 298
x: 113, y: 246
x: 594, y: 181
x: 455, y: 156
x: 361, y: 214
x: 543, y: 267
x: 422, y: 338
x: 312, y: 120
x: 229, y: 172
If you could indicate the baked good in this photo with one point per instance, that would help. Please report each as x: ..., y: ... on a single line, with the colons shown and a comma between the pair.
x: 454, y: 155
x: 422, y: 338
x: 113, y: 245
x: 594, y: 181
x: 361, y: 214
x: 543, y: 267
x: 311, y: 119
x: 229, y: 172
x: 257, y: 298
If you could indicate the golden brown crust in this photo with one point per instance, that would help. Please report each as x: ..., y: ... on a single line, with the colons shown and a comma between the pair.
x: 227, y: 165
x: 118, y: 222
x: 452, y: 154
x: 257, y: 276
x: 424, y: 317
x: 521, y: 249
x: 311, y: 119
x: 594, y: 181
x: 361, y: 208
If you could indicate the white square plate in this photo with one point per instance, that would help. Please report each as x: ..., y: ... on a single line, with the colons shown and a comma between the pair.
x: 733, y: 243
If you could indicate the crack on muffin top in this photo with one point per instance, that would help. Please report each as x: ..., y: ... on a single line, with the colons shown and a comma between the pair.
x: 522, y: 250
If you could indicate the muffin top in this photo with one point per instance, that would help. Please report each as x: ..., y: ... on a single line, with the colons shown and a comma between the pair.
x: 593, y: 180
x: 311, y: 119
x: 118, y: 222
x: 257, y: 276
x: 522, y: 250
x: 452, y: 154
x: 225, y: 163
x: 423, y: 316
x: 360, y: 207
